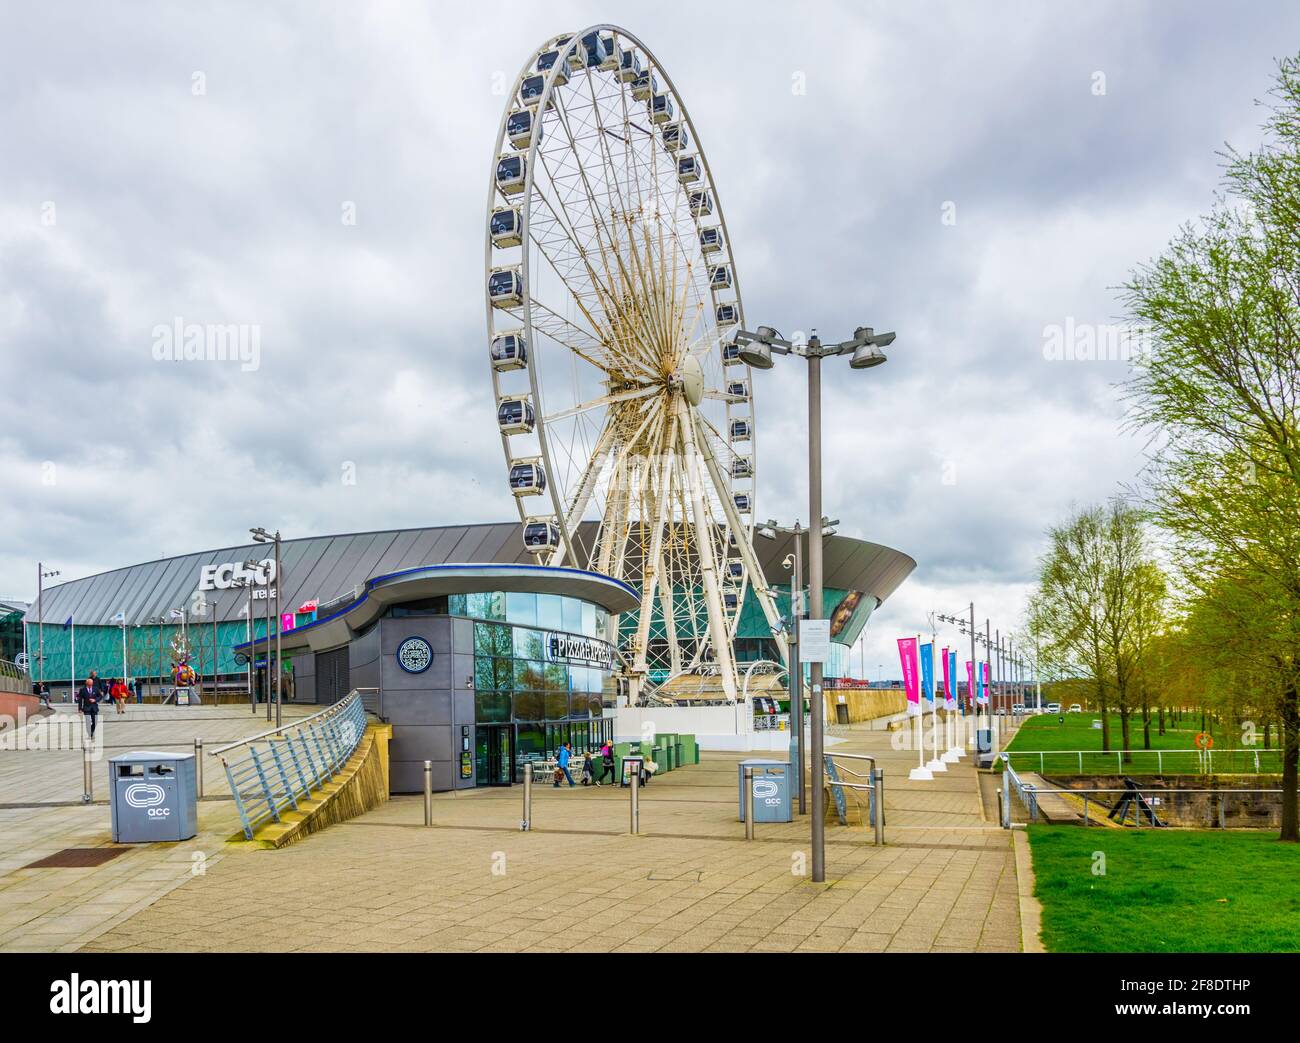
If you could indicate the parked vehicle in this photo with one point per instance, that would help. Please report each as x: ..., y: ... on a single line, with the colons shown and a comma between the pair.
x: 1076, y: 708
x: 1053, y: 707
x: 1018, y: 709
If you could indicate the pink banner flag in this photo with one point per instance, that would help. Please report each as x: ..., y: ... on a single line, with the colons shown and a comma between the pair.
x: 985, y: 687
x: 286, y: 621
x: 947, y: 680
x: 908, y: 654
x: 970, y: 682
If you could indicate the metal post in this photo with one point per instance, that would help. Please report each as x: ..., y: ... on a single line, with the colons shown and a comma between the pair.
x: 526, y: 823
x: 796, y: 668
x: 87, y: 776
x: 634, y: 800
x: 267, y: 692
x: 40, y: 618
x: 428, y: 793
x: 198, y: 767
x: 815, y: 602
x: 748, y: 776
x: 279, y: 582
x: 880, y: 806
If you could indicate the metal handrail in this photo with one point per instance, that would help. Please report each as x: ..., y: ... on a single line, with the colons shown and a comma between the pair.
x: 286, y: 726
x: 277, y: 773
x: 873, y: 788
x: 1204, y: 757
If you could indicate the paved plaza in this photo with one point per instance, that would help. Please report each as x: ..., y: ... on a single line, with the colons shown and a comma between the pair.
x: 945, y: 881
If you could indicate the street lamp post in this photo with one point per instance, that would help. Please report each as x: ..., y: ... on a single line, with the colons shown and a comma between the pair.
x: 756, y: 350
x: 262, y: 536
x: 42, y: 574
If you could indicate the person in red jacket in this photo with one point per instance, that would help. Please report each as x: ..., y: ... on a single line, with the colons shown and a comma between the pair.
x: 118, y: 694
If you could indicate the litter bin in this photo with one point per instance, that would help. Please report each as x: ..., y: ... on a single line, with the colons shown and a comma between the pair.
x: 678, y: 751
x: 984, y: 747
x: 771, y: 790
x: 153, y: 796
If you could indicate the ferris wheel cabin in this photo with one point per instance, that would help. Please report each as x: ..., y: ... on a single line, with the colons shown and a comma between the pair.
x: 711, y: 239
x: 629, y: 66
x: 506, y: 227
x: 742, y: 467
x: 727, y: 315
x: 720, y: 277
x: 739, y: 431
x: 512, y: 172
x: 527, y: 477
x: 505, y: 288
x: 688, y: 170
x: 730, y: 350
x: 701, y: 204
x: 645, y: 86
x: 661, y: 108
x: 547, y: 60
x: 515, y: 416
x: 509, y: 352
x: 540, y: 537
x: 530, y: 91
x: 601, y: 52
x: 675, y: 137
x: 519, y: 128
x: 742, y: 502
x: 738, y: 389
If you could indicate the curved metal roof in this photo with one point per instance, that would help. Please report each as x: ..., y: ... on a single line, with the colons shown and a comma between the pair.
x: 434, y: 580
x: 329, y: 567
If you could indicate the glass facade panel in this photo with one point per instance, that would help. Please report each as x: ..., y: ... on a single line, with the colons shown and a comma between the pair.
x: 484, y: 674
x: 530, y: 706
x: 557, y: 706
x: 482, y: 639
x: 502, y: 642
x: 550, y: 612
x: 528, y: 643
x: 556, y: 677
x: 588, y: 618
x: 491, y: 707
x: 521, y: 609
x: 571, y: 615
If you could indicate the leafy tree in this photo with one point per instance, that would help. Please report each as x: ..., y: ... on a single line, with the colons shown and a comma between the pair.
x: 1219, y: 388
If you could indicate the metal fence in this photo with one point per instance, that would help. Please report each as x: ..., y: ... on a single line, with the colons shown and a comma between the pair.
x: 1141, y: 806
x: 271, y: 771
x: 1180, y: 762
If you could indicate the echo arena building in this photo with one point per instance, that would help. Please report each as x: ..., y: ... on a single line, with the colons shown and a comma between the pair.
x: 475, y: 653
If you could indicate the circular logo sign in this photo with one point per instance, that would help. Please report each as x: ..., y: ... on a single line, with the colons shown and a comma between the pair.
x: 1204, y: 740
x: 414, y: 655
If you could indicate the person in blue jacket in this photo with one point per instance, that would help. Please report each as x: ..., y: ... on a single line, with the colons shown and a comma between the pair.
x: 565, y: 755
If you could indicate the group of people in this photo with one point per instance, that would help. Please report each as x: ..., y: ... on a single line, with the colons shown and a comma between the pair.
x: 607, y: 769
x: 96, y: 691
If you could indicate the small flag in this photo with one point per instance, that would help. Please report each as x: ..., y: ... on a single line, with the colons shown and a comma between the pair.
x: 907, y: 654
x: 67, y: 623
x: 119, y: 618
x: 927, y: 674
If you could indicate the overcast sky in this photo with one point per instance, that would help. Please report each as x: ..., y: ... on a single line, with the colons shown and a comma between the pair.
x: 967, y: 174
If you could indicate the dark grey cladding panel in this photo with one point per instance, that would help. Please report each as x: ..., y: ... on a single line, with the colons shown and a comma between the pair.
x: 408, y: 776
x: 424, y: 707
x: 420, y: 742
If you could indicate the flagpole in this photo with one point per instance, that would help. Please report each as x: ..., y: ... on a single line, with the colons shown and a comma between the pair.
x: 72, y: 623
x: 920, y: 773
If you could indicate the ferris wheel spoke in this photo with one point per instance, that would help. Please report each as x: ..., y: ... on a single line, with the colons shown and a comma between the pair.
x: 604, y: 400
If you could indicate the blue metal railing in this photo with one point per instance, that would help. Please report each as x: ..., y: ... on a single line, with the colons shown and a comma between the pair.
x: 278, y: 768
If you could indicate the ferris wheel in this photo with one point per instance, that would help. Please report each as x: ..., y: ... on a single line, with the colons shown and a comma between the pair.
x: 625, y: 410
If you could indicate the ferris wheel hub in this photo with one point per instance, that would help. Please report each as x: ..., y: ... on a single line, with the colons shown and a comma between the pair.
x: 690, y: 377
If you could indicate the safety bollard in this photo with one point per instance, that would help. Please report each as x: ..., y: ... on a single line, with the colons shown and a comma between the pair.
x: 87, y: 775
x: 880, y: 806
x: 198, y: 768
x: 527, y: 822
x: 749, y: 803
x: 634, y: 798
x: 428, y: 793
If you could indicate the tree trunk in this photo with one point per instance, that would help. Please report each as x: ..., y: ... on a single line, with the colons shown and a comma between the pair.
x: 1290, y: 762
x: 1105, y: 717
x: 1124, y: 714
x: 1161, y: 711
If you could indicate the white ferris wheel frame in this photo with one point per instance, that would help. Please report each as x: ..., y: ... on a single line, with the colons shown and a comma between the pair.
x: 701, y: 464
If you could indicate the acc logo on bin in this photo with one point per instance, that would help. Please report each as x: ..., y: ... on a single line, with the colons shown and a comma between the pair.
x: 144, y: 795
x: 765, y: 789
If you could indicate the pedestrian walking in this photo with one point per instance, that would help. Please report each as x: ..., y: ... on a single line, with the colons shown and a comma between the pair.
x: 588, y: 770
x: 118, y: 694
x: 565, y: 756
x: 607, y: 763
x: 88, y: 704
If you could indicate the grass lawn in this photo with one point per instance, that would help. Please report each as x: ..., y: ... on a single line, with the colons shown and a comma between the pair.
x: 1166, y: 891
x: 1048, y: 732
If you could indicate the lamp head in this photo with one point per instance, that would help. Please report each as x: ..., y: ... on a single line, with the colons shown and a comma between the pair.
x: 866, y: 356
x: 756, y: 353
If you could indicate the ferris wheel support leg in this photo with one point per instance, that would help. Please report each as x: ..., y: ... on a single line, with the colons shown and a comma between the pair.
x: 654, y: 560
x: 746, y: 551
x: 708, y: 567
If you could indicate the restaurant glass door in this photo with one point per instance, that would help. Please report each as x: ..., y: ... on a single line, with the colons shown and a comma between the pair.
x: 493, y: 756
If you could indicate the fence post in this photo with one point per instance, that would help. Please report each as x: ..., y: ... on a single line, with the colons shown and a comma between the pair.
x: 1085, y: 809
x: 879, y: 793
x: 1257, y: 762
x: 1041, y: 768
x: 198, y: 768
x: 1081, y: 762
x: 428, y: 793
x: 1223, y: 821
x: 1160, y: 763
x: 87, y: 775
x: 634, y: 800
x: 527, y: 822
x: 748, y: 795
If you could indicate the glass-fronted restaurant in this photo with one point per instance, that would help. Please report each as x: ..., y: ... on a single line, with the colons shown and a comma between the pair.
x: 477, y: 681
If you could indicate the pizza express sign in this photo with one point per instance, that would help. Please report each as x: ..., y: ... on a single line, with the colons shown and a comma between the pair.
x: 575, y: 648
